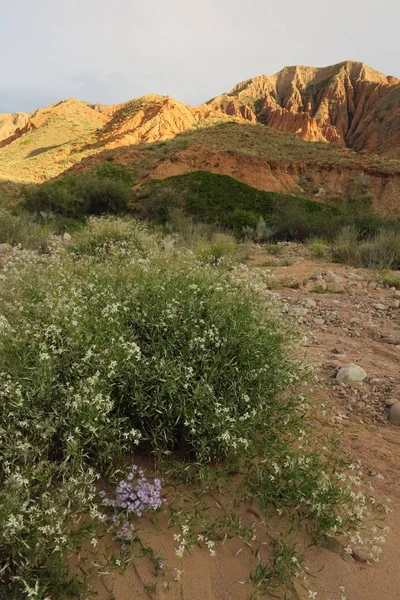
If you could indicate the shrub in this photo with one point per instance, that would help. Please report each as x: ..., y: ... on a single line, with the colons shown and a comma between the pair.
x: 59, y: 197
x: 381, y: 251
x: 22, y: 229
x: 220, y: 246
x: 228, y: 203
x: 108, y: 170
x: 102, y: 350
x: 78, y: 196
x: 318, y: 247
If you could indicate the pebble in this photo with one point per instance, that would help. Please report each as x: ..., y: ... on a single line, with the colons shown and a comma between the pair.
x: 5, y: 248
x: 361, y: 554
x: 394, y: 414
x: 317, y: 274
x: 380, y: 306
x: 310, y: 303
x: 67, y: 237
x: 335, y: 288
x: 319, y: 321
x: 299, y: 311
x: 390, y: 401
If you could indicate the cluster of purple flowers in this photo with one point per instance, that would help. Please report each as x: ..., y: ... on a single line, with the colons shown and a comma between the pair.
x: 136, y: 497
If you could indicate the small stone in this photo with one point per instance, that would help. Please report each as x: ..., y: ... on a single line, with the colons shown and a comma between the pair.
x: 319, y: 321
x: 390, y: 401
x: 394, y: 414
x: 320, y: 286
x: 330, y: 277
x: 335, y: 288
x: 310, y: 303
x: 5, y: 248
x: 372, y: 285
x: 380, y: 306
x: 351, y: 373
x: 396, y: 294
x: 396, y: 304
x: 67, y: 237
x: 334, y: 545
x: 299, y: 311
x: 354, y: 277
x: 361, y: 554
x: 317, y: 274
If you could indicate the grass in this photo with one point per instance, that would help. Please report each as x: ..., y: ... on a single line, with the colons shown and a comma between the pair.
x: 127, y: 343
x: 381, y: 251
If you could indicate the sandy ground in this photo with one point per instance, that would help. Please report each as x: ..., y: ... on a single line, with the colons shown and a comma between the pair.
x: 340, y: 328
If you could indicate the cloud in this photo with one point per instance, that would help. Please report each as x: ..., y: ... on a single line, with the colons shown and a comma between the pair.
x: 111, y: 52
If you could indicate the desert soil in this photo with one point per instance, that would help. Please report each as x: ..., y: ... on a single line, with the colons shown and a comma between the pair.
x: 358, y: 323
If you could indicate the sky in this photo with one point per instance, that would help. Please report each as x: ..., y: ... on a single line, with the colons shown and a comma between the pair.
x: 110, y: 51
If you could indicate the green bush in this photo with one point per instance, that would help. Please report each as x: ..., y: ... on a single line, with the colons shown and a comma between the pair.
x: 125, y: 339
x: 78, y: 196
x: 228, y: 203
x: 318, y: 247
x: 108, y: 170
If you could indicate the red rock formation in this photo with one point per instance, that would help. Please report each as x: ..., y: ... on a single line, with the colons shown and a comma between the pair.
x: 349, y: 104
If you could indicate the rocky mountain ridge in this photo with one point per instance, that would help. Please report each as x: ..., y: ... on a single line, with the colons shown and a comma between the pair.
x: 349, y: 107
x: 348, y: 103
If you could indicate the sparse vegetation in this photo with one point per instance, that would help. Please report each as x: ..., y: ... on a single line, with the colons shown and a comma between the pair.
x: 381, y: 251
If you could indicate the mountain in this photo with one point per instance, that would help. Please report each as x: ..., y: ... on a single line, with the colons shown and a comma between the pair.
x: 296, y: 131
x: 348, y: 103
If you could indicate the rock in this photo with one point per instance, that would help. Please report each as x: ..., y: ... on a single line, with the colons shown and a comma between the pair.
x: 390, y: 401
x: 333, y: 317
x: 319, y: 321
x: 334, y: 545
x: 396, y: 294
x: 396, y: 304
x: 335, y: 288
x: 299, y: 311
x: 310, y: 303
x: 330, y: 277
x: 394, y: 414
x: 320, y: 286
x: 372, y: 285
x: 354, y: 277
x: 361, y: 554
x: 380, y: 306
x: 5, y: 248
x: 67, y: 237
x: 351, y: 373
x: 321, y: 193
x: 338, y: 351
x: 317, y: 274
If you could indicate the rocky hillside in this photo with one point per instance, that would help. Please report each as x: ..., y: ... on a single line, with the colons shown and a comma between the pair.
x: 247, y: 133
x: 348, y: 103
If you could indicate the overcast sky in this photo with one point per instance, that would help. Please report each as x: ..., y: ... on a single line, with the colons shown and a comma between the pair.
x: 111, y: 51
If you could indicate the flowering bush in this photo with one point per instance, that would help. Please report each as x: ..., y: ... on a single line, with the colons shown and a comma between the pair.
x: 118, y: 340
